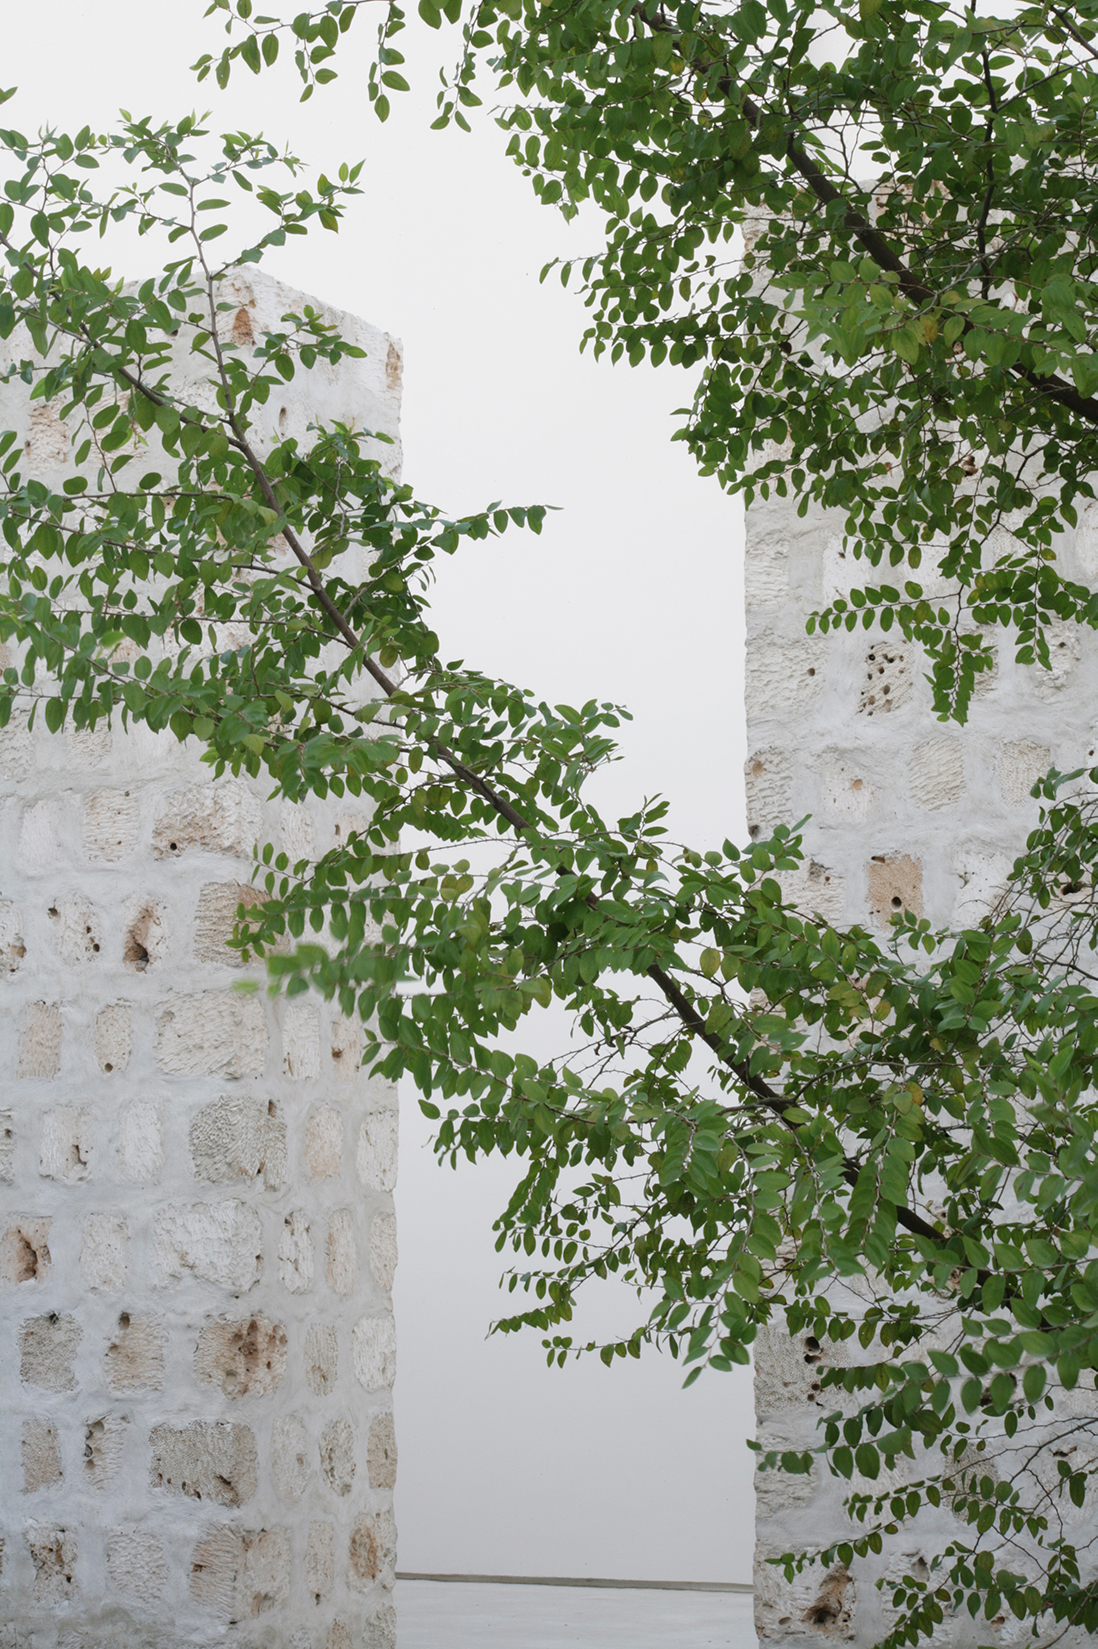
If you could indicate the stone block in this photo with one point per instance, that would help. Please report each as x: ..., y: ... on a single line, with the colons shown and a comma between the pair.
x: 381, y: 1632
x: 211, y: 1460
x: 111, y: 821
x: 48, y: 1346
x: 77, y: 930
x: 376, y: 1157
x: 103, y: 1440
x: 301, y: 1041
x: 104, y: 1252
x: 295, y: 1253
x: 337, y: 1455
x: 1021, y: 764
x: 41, y: 1456
x: 324, y: 1143
x: 12, y: 946
x: 895, y: 884
x: 372, y: 1549
x: 341, y: 1252
x: 220, y: 1242
x: 53, y: 1553
x: 141, y: 1142
x: 296, y: 836
x: 782, y: 677
x: 886, y: 678
x: 222, y: 818
x: 66, y: 1144
x: 38, y: 836
x: 236, y: 1138
x: 320, y: 1560
x: 346, y: 1048
x: 134, y: 1359
x: 846, y: 793
x: 290, y: 1456
x: 217, y: 1033
x: 137, y: 1566
x: 937, y: 773
x: 215, y: 919
x: 767, y: 781
x: 146, y: 940
x: 16, y: 749
x: 381, y: 1452
x: 240, y: 1573
x: 40, y: 1040
x: 243, y: 1357
x: 113, y: 1037
x: 321, y: 1358
x: 373, y: 1352
x: 816, y: 1604
x: 815, y: 889
x: 24, y: 1251
x: 383, y: 1249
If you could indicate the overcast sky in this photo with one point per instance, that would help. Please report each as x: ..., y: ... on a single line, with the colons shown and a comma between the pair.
x: 633, y: 593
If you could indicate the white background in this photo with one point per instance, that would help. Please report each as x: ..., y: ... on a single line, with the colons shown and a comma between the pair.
x: 633, y: 593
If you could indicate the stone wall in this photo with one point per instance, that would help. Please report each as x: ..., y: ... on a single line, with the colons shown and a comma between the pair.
x: 906, y: 811
x: 197, y: 1238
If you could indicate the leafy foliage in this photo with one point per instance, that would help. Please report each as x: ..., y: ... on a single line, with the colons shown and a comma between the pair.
x: 913, y: 326
x: 886, y: 1145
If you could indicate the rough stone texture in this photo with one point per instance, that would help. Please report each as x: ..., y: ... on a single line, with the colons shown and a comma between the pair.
x: 134, y: 1359
x: 243, y: 1358
x: 25, y: 1252
x: 209, y: 1460
x: 194, y: 1218
x: 41, y: 1457
x: 381, y: 1453
x: 905, y: 813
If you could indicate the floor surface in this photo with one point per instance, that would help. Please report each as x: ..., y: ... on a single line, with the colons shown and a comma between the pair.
x: 435, y: 1614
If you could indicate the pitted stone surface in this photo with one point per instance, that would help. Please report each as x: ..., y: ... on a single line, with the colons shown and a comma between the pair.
x: 905, y: 814
x: 186, y: 1244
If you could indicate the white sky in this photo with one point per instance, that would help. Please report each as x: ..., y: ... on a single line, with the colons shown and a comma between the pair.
x: 633, y: 593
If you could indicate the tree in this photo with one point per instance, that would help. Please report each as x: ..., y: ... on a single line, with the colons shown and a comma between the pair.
x: 921, y: 1105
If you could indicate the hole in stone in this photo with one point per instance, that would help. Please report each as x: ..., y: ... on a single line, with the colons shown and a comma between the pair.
x: 812, y: 670
x: 53, y: 911
x: 108, y: 1066
x: 896, y: 901
x: 172, y: 846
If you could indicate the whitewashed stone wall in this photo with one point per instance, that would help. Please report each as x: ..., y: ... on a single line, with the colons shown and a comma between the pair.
x: 197, y: 1238
x: 906, y: 811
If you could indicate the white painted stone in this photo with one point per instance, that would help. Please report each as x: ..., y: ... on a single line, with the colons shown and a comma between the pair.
x: 184, y: 1248
x: 141, y: 1142
x: 324, y: 1143
x: 66, y: 1144
x: 340, y: 1252
x: 301, y: 1041
x: 383, y: 1249
x: 220, y: 1242
x: 217, y: 1033
x: 104, y: 1252
x: 373, y: 1352
x: 290, y: 1456
x: 941, y: 813
x: 295, y: 1253
x: 1021, y: 764
x: 376, y: 1159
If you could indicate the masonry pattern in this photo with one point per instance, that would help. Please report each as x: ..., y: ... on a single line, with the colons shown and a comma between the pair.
x: 906, y: 812
x: 197, y: 1236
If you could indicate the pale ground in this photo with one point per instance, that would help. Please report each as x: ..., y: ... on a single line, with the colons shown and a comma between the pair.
x: 437, y: 1615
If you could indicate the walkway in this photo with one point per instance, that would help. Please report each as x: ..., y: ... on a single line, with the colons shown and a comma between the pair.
x: 435, y: 1614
